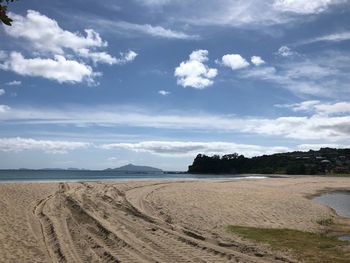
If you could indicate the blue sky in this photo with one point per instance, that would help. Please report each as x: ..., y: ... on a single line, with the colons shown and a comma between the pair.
x: 92, y: 84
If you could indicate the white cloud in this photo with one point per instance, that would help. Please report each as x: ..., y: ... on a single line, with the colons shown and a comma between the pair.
x: 2, y: 92
x: 58, y: 49
x: 234, y: 61
x: 176, y: 148
x: 257, y: 61
x: 310, y: 70
x: 59, y: 68
x: 18, y: 144
x: 285, y: 51
x: 306, y: 128
x: 97, y: 57
x: 315, y: 147
x: 336, y: 108
x: 302, y: 106
x: 132, y: 30
x: 323, y: 75
x: 4, y: 108
x: 336, y: 37
x: 14, y: 83
x: 231, y: 13
x: 164, y: 92
x: 265, y: 73
x: 240, y: 13
x: 127, y: 57
x: 199, y: 55
x: 304, y: 7
x: 318, y: 107
x: 103, y: 57
x: 295, y: 6
x: 294, y: 83
x: 46, y: 35
x: 314, y: 127
x: 194, y: 73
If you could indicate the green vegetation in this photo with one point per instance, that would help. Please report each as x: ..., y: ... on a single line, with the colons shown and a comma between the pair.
x: 326, y: 161
x: 3, y: 12
x: 304, y: 246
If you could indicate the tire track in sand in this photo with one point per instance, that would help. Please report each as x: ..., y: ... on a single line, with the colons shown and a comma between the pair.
x: 49, y: 235
x: 97, y: 223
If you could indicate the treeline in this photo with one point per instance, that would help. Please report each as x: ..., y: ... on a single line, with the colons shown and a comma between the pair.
x: 324, y: 161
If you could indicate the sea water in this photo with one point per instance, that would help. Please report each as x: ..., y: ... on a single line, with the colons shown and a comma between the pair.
x: 88, y: 175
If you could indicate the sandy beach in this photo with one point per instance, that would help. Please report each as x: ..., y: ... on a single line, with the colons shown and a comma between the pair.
x: 156, y: 221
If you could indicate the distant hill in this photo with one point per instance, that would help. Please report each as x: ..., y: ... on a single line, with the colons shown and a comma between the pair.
x: 323, y: 161
x: 136, y: 168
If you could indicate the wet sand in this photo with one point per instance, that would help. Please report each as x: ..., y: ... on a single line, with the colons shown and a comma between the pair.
x: 155, y: 221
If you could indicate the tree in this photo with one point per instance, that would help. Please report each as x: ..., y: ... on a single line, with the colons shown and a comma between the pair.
x: 3, y: 12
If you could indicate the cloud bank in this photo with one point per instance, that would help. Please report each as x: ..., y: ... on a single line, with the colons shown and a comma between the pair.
x: 18, y: 144
x: 241, y: 13
x: 176, y: 148
x: 60, y: 50
x: 315, y: 126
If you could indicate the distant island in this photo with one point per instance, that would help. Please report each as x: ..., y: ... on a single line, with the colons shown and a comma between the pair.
x: 323, y: 161
x: 135, y: 169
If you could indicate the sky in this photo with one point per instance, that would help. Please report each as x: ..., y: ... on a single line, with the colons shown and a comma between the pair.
x: 98, y: 84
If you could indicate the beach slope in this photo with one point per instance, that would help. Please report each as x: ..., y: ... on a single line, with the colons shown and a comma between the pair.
x: 155, y: 221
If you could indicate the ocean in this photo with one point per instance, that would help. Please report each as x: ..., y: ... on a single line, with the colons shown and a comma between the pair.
x: 7, y: 176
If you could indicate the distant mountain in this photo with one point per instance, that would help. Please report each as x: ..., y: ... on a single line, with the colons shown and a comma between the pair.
x: 136, y: 168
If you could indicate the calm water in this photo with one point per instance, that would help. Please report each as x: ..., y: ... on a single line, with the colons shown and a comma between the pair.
x: 49, y: 176
x: 340, y: 202
x: 344, y: 238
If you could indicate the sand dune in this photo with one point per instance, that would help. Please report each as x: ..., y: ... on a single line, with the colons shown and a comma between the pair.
x: 168, y: 221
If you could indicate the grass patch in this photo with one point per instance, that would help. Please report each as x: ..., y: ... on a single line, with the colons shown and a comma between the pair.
x: 304, y: 246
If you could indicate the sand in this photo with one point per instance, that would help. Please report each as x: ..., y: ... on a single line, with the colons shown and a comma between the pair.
x: 155, y: 221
